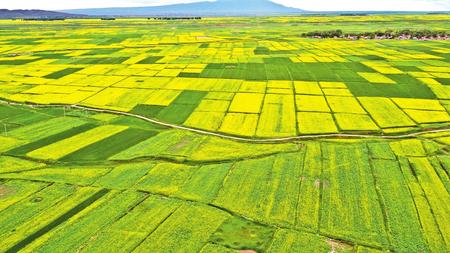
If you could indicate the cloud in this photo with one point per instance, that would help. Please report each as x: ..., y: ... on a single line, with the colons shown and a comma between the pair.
x: 369, y: 5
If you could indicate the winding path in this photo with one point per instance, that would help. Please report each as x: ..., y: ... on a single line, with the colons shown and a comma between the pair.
x: 231, y: 137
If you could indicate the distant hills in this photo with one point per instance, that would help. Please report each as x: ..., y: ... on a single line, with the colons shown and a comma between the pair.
x: 34, y: 14
x: 205, y: 8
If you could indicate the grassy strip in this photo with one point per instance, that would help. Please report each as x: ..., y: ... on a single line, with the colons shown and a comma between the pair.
x: 22, y: 150
x: 103, y: 149
x: 62, y: 73
x: 22, y: 244
x: 150, y: 60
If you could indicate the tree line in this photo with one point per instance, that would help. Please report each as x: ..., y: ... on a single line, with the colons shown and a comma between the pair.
x: 387, y: 34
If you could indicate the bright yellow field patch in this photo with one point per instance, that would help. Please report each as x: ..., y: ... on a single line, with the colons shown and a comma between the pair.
x: 162, y: 97
x: 355, y: 122
x: 208, y: 105
x: 256, y: 87
x: 67, y: 146
x: 253, y: 86
x: 106, y: 97
x: 59, y: 89
x: 387, y: 70
x: 136, y: 59
x: 279, y: 91
x: 385, y: 113
x: 220, y: 95
x: 429, y: 81
x: 277, y: 117
x: 130, y: 99
x: 194, y: 71
x: 239, y: 124
x: 143, y: 82
x: 315, y: 123
x: 67, y: 79
x: 280, y: 84
x: 7, y: 143
x: 337, y: 92
x: 419, y: 104
x: 308, y: 88
x: 435, y: 69
x: 306, y: 103
x: 333, y: 85
x: 205, y: 120
x: 98, y: 81
x: 423, y: 117
x: 247, y: 103
x: 345, y: 105
x: 420, y: 74
x: 376, y: 78
x: 169, y: 72
x: 440, y: 75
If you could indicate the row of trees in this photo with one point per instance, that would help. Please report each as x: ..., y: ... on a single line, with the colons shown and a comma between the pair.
x: 387, y: 34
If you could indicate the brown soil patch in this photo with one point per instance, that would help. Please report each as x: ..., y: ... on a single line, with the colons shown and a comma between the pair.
x: 317, y: 183
x: 5, y: 191
x: 337, y: 246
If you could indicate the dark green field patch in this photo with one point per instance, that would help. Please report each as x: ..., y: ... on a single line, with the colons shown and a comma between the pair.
x: 25, y: 41
x: 176, y: 113
x: 110, y: 146
x: 22, y: 118
x: 103, y: 60
x: 277, y: 60
x: 443, y: 81
x: 103, y: 51
x: 62, y: 73
x: 190, y: 97
x: 137, y: 123
x: 256, y: 72
x: 277, y: 72
x: 150, y: 60
x: 298, y: 72
x: 390, y: 91
x: 52, y: 56
x: 147, y: 110
x: 6, y: 111
x: 17, y: 62
x: 23, y: 150
x: 241, y: 234
x: 180, y: 110
x: 212, y: 73
x: 192, y: 75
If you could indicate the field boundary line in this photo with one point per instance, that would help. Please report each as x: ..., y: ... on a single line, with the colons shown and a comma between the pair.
x: 232, y: 137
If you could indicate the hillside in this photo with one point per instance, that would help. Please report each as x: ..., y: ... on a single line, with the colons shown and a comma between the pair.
x: 206, y: 8
x: 9, y: 14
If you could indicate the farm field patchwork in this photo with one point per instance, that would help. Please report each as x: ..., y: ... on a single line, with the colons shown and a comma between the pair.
x: 138, y: 135
x: 205, y: 78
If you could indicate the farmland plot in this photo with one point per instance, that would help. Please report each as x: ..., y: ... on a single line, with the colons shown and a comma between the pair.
x: 104, y: 153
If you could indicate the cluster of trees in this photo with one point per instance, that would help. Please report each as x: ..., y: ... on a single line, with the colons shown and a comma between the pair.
x: 387, y: 34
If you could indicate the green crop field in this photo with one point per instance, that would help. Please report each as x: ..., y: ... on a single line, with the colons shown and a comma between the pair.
x: 224, y: 135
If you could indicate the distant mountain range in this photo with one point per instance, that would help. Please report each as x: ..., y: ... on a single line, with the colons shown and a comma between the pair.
x: 31, y: 14
x: 205, y: 8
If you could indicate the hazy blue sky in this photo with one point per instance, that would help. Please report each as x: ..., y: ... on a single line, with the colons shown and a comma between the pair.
x: 318, y: 5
